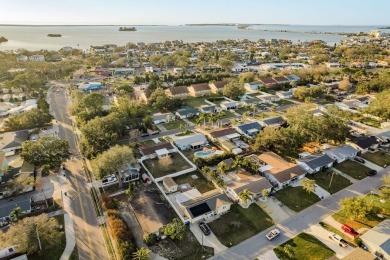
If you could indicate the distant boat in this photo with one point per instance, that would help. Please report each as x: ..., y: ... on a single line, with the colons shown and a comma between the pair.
x: 127, y: 29
x: 54, y: 35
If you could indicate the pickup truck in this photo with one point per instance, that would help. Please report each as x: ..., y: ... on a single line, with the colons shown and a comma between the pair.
x: 338, y: 239
x: 274, y: 233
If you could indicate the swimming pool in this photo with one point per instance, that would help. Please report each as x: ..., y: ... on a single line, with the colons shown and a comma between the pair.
x: 203, y: 153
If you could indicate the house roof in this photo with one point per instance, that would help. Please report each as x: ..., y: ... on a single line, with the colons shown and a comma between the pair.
x: 219, y: 84
x: 14, y: 139
x: 209, y: 201
x: 186, y: 110
x: 316, y: 160
x: 188, y: 139
x: 25, y: 205
x: 268, y: 80
x: 222, y: 132
x: 277, y: 120
x: 168, y: 181
x: 359, y: 254
x: 365, y: 142
x: 280, y: 79
x: 293, y: 77
x: 249, y: 126
x: 254, y: 159
x: 255, y: 83
x: 379, y: 236
x: 160, y: 116
x: 179, y: 90
x: 251, y: 101
x: 152, y: 148
x: 200, y: 87
x: 229, y: 162
x: 209, y: 108
x: 253, y: 183
x: 384, y: 135
x: 341, y: 151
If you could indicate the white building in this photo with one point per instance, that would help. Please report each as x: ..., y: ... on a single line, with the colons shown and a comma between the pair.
x: 37, y: 58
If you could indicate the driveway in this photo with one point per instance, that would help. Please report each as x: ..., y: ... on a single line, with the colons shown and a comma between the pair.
x: 273, y: 208
x: 210, y: 240
x: 372, y: 166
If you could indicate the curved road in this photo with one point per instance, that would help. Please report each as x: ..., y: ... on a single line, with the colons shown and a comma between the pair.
x: 89, y: 238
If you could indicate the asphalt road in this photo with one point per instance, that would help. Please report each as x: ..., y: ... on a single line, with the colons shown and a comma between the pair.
x: 258, y: 244
x: 89, y: 238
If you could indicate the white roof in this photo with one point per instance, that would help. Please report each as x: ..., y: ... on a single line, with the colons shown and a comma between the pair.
x: 162, y: 151
x: 231, y: 136
x: 189, y: 139
x: 188, y: 195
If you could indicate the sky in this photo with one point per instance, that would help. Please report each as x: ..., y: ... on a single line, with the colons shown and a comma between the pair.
x: 176, y: 12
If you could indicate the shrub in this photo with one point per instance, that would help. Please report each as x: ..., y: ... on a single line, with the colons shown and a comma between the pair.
x: 150, y: 239
x: 358, y: 241
x: 108, y: 202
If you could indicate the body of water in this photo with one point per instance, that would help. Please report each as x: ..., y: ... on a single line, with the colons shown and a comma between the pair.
x: 35, y: 37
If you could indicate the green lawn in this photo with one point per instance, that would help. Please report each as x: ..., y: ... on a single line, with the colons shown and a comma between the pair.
x: 296, y: 198
x: 200, y: 183
x: 371, y: 219
x: 227, y: 114
x: 195, y: 102
x: 370, y: 121
x: 174, y: 124
x: 305, y: 246
x: 323, y: 179
x: 242, y: 110
x: 266, y: 115
x: 353, y: 169
x: 284, y: 102
x: 240, y: 224
x: 159, y: 170
x: 379, y: 158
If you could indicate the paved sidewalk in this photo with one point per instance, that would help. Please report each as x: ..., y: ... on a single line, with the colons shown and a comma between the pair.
x: 70, y: 237
x: 210, y: 240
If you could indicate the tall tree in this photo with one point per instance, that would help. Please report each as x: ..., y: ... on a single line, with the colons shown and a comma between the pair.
x: 233, y: 90
x: 245, y: 196
x: 385, y: 190
x: 47, y: 151
x: 309, y: 185
x: 16, y: 214
x: 175, y: 229
x: 355, y: 208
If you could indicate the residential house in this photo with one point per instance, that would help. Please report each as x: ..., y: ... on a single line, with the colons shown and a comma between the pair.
x: 89, y: 86
x: 198, y: 90
x: 359, y: 254
x: 177, y: 70
x: 5, y: 211
x: 342, y: 153
x: 193, y: 141
x: 255, y: 184
x: 223, y: 133
x: 293, y: 78
x: 209, y: 205
x: 281, y: 80
x: 363, y: 144
x: 22, y: 58
x: 284, y: 94
x: 227, y: 138
x: 12, y: 141
x: 383, y: 137
x: 159, y: 150
x: 177, y: 92
x: 218, y: 86
x: 160, y: 118
x: 377, y: 239
x: 249, y: 102
x: 313, y: 163
x: 268, y: 98
x: 170, y: 185
x: 280, y: 172
x: 268, y: 82
x: 249, y: 129
x: 276, y: 122
x: 37, y: 58
x: 253, y: 87
x: 209, y: 109
x: 186, y: 112
x: 3, y: 165
x: 226, y: 105
x: 131, y: 173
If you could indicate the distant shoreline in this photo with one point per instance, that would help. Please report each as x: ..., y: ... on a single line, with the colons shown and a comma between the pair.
x: 77, y: 25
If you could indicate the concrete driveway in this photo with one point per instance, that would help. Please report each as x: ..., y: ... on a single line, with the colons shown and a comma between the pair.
x: 273, y: 208
x: 210, y: 240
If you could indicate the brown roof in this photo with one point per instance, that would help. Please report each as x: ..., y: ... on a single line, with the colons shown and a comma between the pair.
x: 268, y: 80
x: 178, y: 90
x: 200, y: 87
x: 253, y: 183
x: 152, y: 148
x: 289, y: 173
x: 359, y: 254
x: 169, y: 182
x: 219, y: 84
x: 222, y: 132
x: 280, y: 79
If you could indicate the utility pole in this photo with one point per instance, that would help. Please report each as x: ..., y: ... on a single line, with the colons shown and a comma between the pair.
x: 331, y: 179
x: 39, y: 240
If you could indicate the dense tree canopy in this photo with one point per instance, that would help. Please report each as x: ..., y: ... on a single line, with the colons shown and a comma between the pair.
x: 26, y: 120
x: 380, y: 106
x: 233, y: 90
x: 303, y: 92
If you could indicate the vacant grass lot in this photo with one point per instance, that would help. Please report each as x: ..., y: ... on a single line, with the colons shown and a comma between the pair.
x: 195, y: 102
x: 353, y: 169
x: 379, y: 158
x: 305, y: 246
x: 240, y: 224
x: 296, y: 198
x: 174, y: 124
x: 323, y: 179
x: 200, y: 183
x: 159, y: 170
x: 284, y: 102
x: 369, y: 221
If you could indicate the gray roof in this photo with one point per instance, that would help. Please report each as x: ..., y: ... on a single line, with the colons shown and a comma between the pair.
x: 14, y: 139
x: 186, y: 110
x: 278, y: 120
x: 379, y: 235
x: 188, y: 139
x: 341, y: 151
x: 25, y: 205
x: 315, y: 161
x: 293, y: 77
x: 384, y: 135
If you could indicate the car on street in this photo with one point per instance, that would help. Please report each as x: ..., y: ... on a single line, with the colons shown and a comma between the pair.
x: 371, y: 173
x: 338, y: 239
x: 205, y: 229
x: 358, y: 159
x: 274, y: 233
x: 155, y: 132
x: 349, y: 230
x: 144, y: 134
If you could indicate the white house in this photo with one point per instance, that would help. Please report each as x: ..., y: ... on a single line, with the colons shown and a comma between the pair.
x: 177, y: 70
x: 159, y: 150
x: 161, y: 118
x: 313, y: 163
x: 226, y: 105
x: 37, y: 58
x: 342, y: 153
x: 253, y: 87
x: 284, y: 94
x: 193, y: 142
x: 170, y: 185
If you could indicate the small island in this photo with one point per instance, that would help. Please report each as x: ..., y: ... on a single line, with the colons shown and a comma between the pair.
x: 54, y: 35
x: 3, y: 39
x: 243, y: 27
x: 384, y: 28
x: 127, y: 29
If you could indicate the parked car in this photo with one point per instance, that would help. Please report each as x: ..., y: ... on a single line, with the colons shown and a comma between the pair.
x: 155, y: 132
x: 338, y: 239
x: 349, y: 230
x: 358, y: 159
x: 274, y: 233
x: 144, y: 134
x: 205, y: 229
x: 371, y: 173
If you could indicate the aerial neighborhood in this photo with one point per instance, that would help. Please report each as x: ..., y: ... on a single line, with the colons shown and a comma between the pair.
x: 267, y: 148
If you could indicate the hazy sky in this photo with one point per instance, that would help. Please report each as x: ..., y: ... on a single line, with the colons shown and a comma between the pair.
x: 316, y: 12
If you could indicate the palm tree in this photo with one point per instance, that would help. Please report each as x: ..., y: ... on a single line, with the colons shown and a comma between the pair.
x: 212, y: 119
x: 245, y: 195
x: 15, y: 214
x: 182, y: 127
x: 202, y: 119
x: 219, y: 117
x: 142, y: 254
x: 254, y: 107
x: 222, y: 167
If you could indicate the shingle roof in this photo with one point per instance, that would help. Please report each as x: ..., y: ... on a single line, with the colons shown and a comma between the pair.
x: 379, y: 235
x: 268, y: 80
x: 14, y: 139
x: 365, y: 142
x: 315, y: 161
x: 222, y: 132
x: 249, y: 126
x: 253, y: 183
x: 219, y: 84
x: 272, y: 121
x: 186, y: 110
x: 188, y: 139
x: 280, y: 79
x: 151, y: 148
x: 201, y: 87
x: 6, y: 210
x: 178, y: 90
